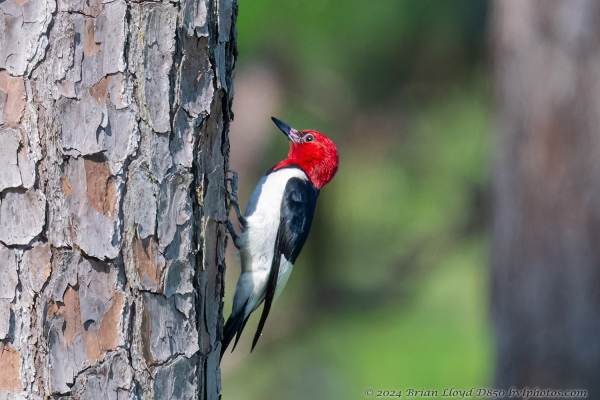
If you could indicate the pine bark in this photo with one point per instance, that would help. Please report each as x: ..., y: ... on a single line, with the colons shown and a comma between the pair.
x: 114, y: 118
x: 546, y: 236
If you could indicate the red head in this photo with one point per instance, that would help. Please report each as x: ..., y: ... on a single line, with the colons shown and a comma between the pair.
x: 312, y: 151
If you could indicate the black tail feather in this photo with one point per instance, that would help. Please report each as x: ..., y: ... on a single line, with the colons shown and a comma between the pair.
x: 239, y: 333
x: 235, y: 325
x: 231, y: 327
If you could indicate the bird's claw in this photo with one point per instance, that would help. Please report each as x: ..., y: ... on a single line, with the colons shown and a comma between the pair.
x: 234, y: 236
x: 232, y: 197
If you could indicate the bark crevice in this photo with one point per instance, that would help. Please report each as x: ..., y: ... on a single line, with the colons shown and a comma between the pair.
x: 119, y: 126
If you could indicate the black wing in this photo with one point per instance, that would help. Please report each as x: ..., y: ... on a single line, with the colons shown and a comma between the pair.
x: 297, y: 211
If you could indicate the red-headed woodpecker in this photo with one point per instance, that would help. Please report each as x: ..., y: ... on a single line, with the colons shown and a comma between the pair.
x: 276, y: 224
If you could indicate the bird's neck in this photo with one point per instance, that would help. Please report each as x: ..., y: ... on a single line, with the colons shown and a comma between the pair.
x: 320, y: 170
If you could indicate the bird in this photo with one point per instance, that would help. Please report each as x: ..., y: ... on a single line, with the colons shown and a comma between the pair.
x: 276, y: 224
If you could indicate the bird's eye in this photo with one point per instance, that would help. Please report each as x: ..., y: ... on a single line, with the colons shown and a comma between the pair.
x: 309, y: 138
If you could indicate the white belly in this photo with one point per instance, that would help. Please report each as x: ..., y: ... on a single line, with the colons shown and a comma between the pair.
x: 263, y: 214
x: 258, y: 242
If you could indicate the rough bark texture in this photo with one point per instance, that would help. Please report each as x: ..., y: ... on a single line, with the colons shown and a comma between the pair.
x: 113, y: 149
x: 546, y: 238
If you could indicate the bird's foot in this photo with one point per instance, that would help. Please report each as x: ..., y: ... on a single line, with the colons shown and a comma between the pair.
x: 234, y: 236
x: 232, y: 197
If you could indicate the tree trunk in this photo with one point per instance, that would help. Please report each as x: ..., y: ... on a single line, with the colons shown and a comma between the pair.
x: 113, y: 148
x: 546, y: 237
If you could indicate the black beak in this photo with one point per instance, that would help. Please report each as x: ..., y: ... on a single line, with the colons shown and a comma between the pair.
x: 290, y: 132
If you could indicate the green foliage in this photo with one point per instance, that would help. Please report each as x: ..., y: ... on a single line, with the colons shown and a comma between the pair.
x: 441, y: 339
x: 390, y: 202
x: 374, y: 45
x: 390, y: 291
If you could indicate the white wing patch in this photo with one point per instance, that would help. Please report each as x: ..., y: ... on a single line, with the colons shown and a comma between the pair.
x: 257, y: 282
x: 285, y: 270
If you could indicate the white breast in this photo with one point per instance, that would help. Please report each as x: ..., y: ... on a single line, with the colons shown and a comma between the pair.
x: 263, y: 216
x: 258, y: 241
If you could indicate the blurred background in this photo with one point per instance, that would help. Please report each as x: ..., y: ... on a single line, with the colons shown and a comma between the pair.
x: 394, y: 288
